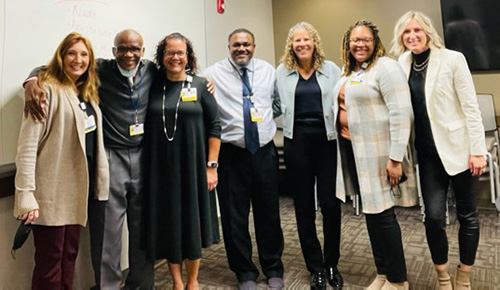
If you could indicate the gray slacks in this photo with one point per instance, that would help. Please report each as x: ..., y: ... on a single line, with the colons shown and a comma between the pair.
x: 106, y: 223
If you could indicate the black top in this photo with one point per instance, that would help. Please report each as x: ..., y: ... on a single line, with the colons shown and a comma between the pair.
x: 181, y: 216
x: 423, y: 132
x: 90, y: 146
x: 308, y: 104
x: 119, y: 101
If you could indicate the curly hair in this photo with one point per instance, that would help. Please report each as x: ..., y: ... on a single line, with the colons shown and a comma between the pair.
x: 348, y: 61
x: 87, y: 84
x: 192, y: 61
x: 433, y: 38
x: 289, y: 59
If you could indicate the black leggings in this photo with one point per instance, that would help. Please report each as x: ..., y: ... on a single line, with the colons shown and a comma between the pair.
x: 434, y: 182
x: 383, y: 228
x: 387, y: 246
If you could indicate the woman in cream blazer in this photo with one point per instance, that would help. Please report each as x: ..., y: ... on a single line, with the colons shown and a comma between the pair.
x: 60, y: 162
x: 449, y: 138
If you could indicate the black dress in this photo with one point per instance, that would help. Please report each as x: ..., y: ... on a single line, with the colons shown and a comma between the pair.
x: 181, y: 215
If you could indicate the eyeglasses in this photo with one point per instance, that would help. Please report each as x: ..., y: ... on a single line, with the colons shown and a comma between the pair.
x: 171, y: 53
x: 124, y: 49
x: 396, y: 189
x: 363, y: 40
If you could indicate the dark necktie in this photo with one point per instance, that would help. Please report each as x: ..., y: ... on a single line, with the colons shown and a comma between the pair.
x: 251, y: 131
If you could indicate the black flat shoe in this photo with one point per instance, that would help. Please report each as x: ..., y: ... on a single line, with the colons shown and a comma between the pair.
x: 334, y: 278
x: 318, y: 281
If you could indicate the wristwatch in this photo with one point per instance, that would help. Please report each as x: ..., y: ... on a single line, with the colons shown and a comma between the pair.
x: 212, y: 164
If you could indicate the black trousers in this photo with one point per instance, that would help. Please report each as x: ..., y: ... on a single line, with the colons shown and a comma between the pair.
x: 434, y: 182
x: 246, y: 179
x: 387, y: 246
x: 310, y: 158
x: 383, y: 228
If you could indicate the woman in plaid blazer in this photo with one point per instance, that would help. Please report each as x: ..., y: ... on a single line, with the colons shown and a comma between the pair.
x: 374, y: 118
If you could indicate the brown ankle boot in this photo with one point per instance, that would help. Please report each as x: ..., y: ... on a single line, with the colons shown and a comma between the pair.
x: 444, y: 279
x: 463, y: 279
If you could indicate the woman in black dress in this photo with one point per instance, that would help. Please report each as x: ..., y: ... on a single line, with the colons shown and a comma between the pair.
x: 183, y: 138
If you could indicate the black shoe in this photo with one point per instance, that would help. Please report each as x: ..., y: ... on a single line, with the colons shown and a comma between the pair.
x: 318, y: 281
x: 334, y: 278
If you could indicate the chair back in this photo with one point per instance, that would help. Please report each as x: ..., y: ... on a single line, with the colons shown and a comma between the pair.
x: 488, y: 114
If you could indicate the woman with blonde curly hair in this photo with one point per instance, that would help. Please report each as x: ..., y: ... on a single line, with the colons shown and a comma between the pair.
x: 374, y: 122
x: 61, y: 163
x: 305, y: 82
x: 449, y: 139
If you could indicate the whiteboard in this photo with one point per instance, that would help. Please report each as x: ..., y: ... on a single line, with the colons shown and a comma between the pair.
x: 31, y: 30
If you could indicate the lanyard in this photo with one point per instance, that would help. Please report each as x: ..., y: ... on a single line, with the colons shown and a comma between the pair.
x: 135, y: 103
x: 241, y: 76
x: 83, y: 107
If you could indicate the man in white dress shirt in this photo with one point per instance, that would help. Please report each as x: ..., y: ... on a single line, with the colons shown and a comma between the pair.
x: 248, y: 171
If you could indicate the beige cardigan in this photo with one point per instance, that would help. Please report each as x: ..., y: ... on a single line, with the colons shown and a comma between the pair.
x: 52, y: 173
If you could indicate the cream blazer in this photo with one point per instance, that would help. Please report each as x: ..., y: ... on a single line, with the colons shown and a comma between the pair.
x: 52, y: 173
x: 452, y: 107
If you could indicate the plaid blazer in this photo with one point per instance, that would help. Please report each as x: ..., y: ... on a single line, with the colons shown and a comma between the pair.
x: 380, y: 117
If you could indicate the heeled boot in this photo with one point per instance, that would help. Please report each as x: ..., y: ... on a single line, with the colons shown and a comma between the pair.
x: 463, y: 279
x: 396, y: 286
x: 377, y: 283
x: 444, y: 279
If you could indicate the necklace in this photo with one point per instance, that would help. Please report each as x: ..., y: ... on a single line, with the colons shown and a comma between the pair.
x: 175, y: 118
x: 422, y: 66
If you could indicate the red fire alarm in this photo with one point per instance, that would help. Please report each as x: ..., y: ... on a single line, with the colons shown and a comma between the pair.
x: 220, y: 6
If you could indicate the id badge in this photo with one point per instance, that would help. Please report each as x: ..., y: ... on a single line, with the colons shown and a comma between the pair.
x: 137, y: 129
x: 90, y: 124
x: 355, y: 81
x: 188, y: 95
x: 256, y: 115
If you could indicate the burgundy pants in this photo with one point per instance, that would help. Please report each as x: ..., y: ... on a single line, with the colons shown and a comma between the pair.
x: 56, y: 249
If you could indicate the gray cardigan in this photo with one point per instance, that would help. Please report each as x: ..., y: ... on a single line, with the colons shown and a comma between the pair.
x: 286, y: 82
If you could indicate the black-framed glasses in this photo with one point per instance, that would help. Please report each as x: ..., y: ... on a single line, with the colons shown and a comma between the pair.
x: 121, y: 49
x: 396, y: 189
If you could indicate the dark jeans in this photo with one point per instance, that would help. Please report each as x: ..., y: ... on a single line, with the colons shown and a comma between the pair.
x: 434, y: 182
x: 310, y: 158
x: 244, y: 180
x: 56, y: 249
x: 387, y: 246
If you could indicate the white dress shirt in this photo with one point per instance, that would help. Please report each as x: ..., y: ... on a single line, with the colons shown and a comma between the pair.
x: 226, y: 76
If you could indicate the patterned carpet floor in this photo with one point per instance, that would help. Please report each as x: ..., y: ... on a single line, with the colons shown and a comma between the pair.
x: 356, y: 262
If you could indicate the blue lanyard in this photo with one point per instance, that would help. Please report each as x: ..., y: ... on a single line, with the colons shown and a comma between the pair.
x: 241, y: 76
x: 135, y: 103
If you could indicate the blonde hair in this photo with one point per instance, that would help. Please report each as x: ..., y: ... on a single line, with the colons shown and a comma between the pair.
x: 348, y: 61
x: 87, y: 84
x: 433, y: 38
x: 289, y: 59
